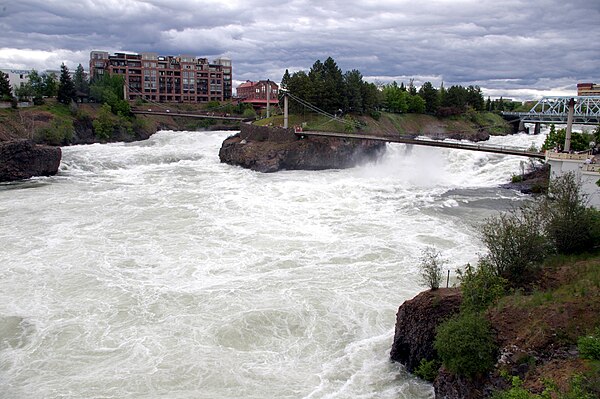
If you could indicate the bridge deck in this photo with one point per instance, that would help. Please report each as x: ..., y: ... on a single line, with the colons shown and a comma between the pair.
x: 431, y: 143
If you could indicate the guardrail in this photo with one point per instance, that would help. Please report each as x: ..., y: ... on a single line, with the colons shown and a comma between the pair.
x: 566, y: 155
x: 591, y: 167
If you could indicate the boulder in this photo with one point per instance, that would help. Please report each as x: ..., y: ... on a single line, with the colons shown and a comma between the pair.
x: 416, y: 323
x: 22, y: 159
x: 265, y: 149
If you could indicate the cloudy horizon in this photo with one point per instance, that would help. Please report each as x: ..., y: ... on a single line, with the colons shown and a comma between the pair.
x: 512, y: 48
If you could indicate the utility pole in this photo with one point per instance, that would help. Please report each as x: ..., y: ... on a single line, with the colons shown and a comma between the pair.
x: 285, y: 111
x: 569, y: 124
x: 268, y: 98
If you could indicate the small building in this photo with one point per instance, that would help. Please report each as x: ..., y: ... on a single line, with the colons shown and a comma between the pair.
x: 584, y: 166
x: 255, y: 93
x: 16, y: 77
x: 588, y: 89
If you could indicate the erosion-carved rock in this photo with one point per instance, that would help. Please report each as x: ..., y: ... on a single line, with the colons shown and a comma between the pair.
x: 416, y: 322
x: 266, y: 149
x: 22, y: 159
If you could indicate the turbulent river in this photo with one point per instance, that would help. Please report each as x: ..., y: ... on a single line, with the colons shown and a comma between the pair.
x: 151, y: 270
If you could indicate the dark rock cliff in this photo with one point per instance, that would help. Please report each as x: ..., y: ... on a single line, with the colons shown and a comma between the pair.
x: 22, y: 159
x: 416, y: 322
x: 265, y: 149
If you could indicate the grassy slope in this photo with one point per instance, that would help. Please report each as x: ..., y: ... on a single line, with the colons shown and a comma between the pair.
x: 542, y: 328
x: 404, y: 124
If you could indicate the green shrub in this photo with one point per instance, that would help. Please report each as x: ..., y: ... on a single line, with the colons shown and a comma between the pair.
x: 516, y: 244
x: 569, y: 223
x: 431, y: 268
x: 480, y: 286
x: 428, y: 369
x: 465, y: 344
x: 249, y: 113
x: 518, y: 392
x: 60, y: 132
x: 589, y: 346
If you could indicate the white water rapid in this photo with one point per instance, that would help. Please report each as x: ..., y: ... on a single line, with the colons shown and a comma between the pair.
x: 151, y: 270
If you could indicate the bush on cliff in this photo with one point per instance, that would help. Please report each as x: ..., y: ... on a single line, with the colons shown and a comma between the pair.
x: 480, y: 286
x: 516, y: 244
x: 431, y: 268
x: 60, y: 132
x: 465, y: 344
x: 589, y: 346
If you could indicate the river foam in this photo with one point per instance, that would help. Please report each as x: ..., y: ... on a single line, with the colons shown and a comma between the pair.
x: 149, y: 269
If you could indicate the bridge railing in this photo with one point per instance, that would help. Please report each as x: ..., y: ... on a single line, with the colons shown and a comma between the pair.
x: 590, y: 167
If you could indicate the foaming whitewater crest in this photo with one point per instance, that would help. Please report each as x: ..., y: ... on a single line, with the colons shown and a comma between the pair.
x: 149, y: 269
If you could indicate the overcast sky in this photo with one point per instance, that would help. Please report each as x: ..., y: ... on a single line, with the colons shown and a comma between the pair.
x: 517, y: 48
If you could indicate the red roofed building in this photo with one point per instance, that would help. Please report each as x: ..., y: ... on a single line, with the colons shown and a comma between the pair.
x: 255, y: 93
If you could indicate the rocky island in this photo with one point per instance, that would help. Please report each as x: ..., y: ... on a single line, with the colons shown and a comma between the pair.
x: 266, y: 149
x: 22, y: 159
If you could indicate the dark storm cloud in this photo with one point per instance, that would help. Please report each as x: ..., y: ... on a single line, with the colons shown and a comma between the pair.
x: 516, y: 46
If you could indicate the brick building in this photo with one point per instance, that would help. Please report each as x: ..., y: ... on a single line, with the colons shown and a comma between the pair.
x: 255, y: 93
x: 588, y: 89
x: 154, y: 77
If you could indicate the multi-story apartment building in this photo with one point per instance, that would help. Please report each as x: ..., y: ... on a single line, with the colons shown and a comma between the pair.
x: 588, y: 89
x: 255, y: 93
x: 154, y: 77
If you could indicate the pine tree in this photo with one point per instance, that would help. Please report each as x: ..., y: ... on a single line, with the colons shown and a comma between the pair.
x: 430, y: 95
x: 285, y: 80
x: 66, y: 88
x: 5, y: 89
x: 80, y: 81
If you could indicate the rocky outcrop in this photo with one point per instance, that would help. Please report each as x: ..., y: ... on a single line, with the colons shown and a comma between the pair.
x: 265, y: 149
x: 23, y: 159
x: 416, y: 322
x: 533, y: 182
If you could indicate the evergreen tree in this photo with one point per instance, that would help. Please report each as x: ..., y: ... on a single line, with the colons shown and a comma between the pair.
x: 80, y: 81
x: 49, y: 85
x: 285, y: 80
x: 474, y: 98
x: 442, y: 95
x: 315, y: 76
x: 354, y: 85
x: 371, y: 97
x: 333, y: 87
x: 430, y: 95
x: 66, y: 88
x: 5, y: 89
x: 412, y: 90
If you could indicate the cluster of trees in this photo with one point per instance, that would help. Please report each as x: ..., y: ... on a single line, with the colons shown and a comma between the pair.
x: 42, y: 85
x: 326, y: 87
x: 428, y: 99
x: 579, y: 141
x: 518, y: 244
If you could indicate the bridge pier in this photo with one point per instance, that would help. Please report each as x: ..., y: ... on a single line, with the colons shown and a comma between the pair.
x: 521, y: 127
x: 537, y: 128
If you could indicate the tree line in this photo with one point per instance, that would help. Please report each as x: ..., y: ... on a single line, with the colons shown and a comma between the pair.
x: 326, y: 87
x: 43, y: 85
